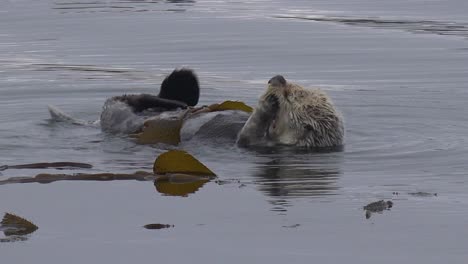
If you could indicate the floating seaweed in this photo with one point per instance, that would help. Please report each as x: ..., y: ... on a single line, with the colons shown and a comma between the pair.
x: 45, y: 165
x: 377, y: 207
x: 157, y: 226
x: 165, y: 130
x: 16, y: 228
x: 174, y: 173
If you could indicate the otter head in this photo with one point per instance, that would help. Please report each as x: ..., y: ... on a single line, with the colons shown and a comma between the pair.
x: 181, y: 85
x: 288, y: 114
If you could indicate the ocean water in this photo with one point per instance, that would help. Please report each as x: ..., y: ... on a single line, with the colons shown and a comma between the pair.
x: 397, y: 70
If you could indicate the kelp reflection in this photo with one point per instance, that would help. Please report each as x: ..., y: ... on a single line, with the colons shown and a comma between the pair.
x: 16, y: 228
x: 179, y: 187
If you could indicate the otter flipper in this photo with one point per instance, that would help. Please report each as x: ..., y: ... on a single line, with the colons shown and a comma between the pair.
x: 141, y: 102
x: 58, y: 115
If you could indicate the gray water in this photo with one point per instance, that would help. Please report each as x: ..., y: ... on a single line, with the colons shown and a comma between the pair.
x: 397, y: 70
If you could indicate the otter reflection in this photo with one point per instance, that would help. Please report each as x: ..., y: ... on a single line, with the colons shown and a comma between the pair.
x: 288, y: 175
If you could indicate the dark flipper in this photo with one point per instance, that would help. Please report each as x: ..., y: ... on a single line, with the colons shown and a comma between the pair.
x: 141, y: 102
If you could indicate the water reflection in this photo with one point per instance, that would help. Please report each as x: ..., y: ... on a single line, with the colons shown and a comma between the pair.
x: 122, y: 6
x: 450, y: 28
x: 179, y: 188
x: 284, y: 176
x: 174, y: 185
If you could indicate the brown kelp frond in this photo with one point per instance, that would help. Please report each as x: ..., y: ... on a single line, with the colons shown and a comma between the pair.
x: 178, y: 161
x: 14, y: 225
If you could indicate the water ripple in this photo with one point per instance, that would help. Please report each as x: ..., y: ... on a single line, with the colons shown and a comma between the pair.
x: 448, y: 28
x: 122, y: 6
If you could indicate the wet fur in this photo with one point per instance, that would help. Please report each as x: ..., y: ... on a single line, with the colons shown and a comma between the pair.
x: 288, y: 114
x: 127, y: 113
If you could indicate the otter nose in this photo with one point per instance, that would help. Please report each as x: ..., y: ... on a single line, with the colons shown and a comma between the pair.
x: 277, y: 80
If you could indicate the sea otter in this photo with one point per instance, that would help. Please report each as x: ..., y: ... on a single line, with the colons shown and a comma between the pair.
x: 288, y: 114
x: 127, y: 113
x: 169, y: 117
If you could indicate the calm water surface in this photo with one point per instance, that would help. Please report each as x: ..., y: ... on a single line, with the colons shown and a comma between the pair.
x: 397, y: 70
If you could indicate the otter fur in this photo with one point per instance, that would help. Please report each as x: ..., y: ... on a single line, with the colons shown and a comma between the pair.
x: 127, y: 113
x: 288, y: 114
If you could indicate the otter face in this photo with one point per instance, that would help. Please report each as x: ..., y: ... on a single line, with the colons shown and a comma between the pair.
x: 288, y: 114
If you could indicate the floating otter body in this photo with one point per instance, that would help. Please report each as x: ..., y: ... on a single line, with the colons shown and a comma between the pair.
x: 127, y: 113
x: 288, y: 114
x: 171, y: 117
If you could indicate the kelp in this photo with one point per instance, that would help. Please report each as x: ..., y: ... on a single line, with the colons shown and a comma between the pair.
x: 231, y: 105
x: 157, y: 226
x: 175, y: 172
x: 179, y: 161
x: 16, y: 228
x: 167, y: 130
x: 45, y: 165
x: 377, y: 207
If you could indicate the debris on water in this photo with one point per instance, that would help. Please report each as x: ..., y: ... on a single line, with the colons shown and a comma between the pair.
x: 45, y: 165
x: 49, y: 178
x: 157, y: 226
x: 228, y: 181
x: 292, y: 226
x: 16, y: 228
x: 422, y: 194
x: 377, y: 207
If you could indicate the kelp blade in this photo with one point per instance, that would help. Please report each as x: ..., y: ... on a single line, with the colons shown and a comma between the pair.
x: 178, y: 161
x: 14, y: 225
x: 161, y: 130
x: 231, y: 105
x: 166, y: 129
